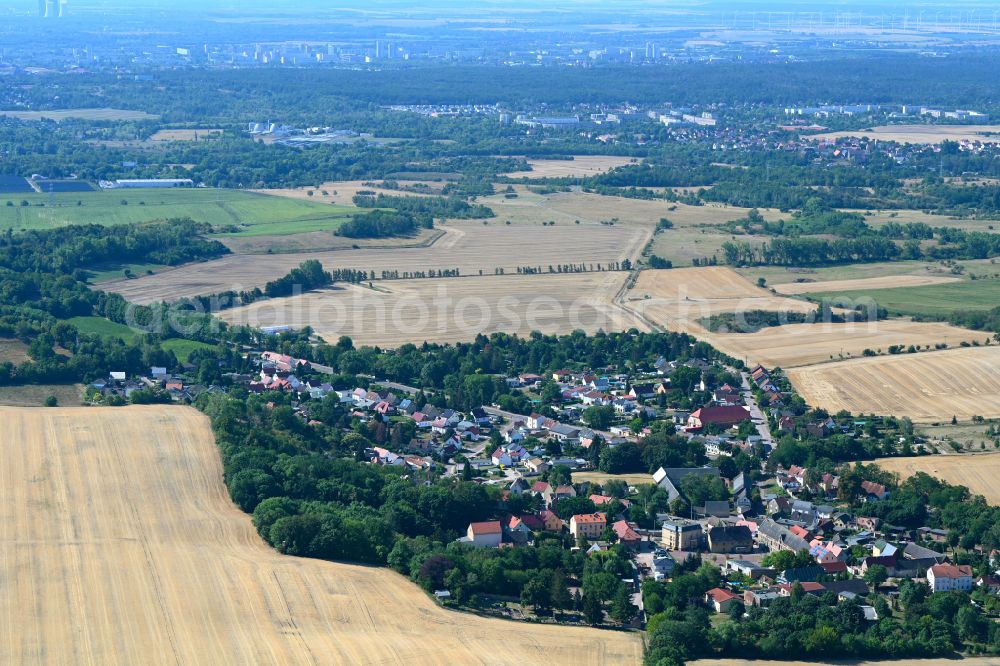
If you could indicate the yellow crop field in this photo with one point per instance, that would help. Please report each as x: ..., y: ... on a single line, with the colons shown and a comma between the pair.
x: 885, y: 282
x: 580, y: 166
x: 921, y: 133
x: 120, y: 546
x: 804, y: 344
x: 340, y: 192
x: 449, y: 309
x: 678, y: 298
x: 978, y: 472
x: 927, y: 387
x: 467, y: 245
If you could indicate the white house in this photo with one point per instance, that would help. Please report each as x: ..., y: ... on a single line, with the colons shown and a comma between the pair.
x: 487, y: 534
x: 946, y: 577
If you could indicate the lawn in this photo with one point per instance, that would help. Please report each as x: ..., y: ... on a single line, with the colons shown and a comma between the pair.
x: 116, y: 271
x: 182, y: 348
x: 929, y: 300
x: 102, y: 326
x: 245, y: 213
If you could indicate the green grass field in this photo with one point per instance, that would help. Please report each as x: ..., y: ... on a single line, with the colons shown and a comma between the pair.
x: 253, y: 214
x: 108, y: 272
x: 102, y: 326
x: 182, y: 349
x: 930, y: 300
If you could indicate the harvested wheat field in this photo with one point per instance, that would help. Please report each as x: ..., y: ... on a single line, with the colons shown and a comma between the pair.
x: 681, y: 296
x: 921, y: 133
x: 442, y: 310
x: 677, y: 299
x: 886, y: 282
x: 580, y: 166
x: 469, y: 246
x: 340, y: 192
x: 120, y: 546
x: 927, y: 387
x: 805, y: 344
x: 978, y: 472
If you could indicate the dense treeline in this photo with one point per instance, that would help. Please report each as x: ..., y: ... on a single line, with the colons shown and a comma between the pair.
x: 751, y: 321
x: 64, y: 249
x: 384, y: 224
x: 310, y: 497
x: 307, y: 276
x: 423, y: 207
x: 248, y: 94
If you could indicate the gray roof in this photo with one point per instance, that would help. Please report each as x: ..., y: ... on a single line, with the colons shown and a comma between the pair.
x: 855, y: 586
x: 779, y: 533
x: 914, y: 552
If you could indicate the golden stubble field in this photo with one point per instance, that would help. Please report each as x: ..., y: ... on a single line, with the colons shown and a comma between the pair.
x: 467, y: 245
x: 676, y: 299
x: 978, y: 472
x: 120, y: 546
x: 927, y: 387
x: 580, y: 166
x: 921, y: 133
x: 397, y: 312
x: 341, y: 192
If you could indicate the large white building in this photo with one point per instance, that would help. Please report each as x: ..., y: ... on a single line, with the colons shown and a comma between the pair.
x: 947, y: 577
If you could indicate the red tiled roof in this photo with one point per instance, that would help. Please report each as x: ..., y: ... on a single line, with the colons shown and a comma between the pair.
x: 590, y: 518
x: 487, y: 527
x: 952, y: 571
x: 721, y: 415
x: 807, y: 586
x: 721, y: 596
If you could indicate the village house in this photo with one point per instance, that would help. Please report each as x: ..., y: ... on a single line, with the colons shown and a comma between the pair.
x: 681, y: 534
x: 761, y: 598
x: 730, y: 539
x: 550, y: 521
x: 670, y: 478
x: 588, y: 525
x: 826, y: 551
x: 723, y: 417
x: 488, y: 534
x: 626, y: 533
x: 809, y: 587
x: 720, y: 600
x: 552, y: 495
x: 947, y: 577
x: 874, y: 492
x: 778, y: 537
